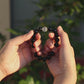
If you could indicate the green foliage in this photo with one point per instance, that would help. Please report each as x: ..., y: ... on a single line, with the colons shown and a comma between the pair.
x: 68, y: 14
x: 80, y: 73
x: 29, y: 80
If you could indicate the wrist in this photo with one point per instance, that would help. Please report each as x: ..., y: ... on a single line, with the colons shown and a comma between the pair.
x: 2, y: 74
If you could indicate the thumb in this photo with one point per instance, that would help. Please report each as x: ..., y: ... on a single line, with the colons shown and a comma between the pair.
x: 64, y: 37
x: 20, y: 39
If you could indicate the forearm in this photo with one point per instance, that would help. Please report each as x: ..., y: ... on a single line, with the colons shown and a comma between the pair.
x: 65, y: 80
x: 2, y: 72
x: 2, y: 75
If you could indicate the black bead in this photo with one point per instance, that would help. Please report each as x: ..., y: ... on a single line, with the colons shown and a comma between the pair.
x: 56, y: 44
x: 40, y: 57
x: 40, y: 28
x: 33, y: 40
x: 36, y: 31
x: 48, y: 57
x: 57, y: 39
x: 44, y: 58
x: 55, y: 31
x: 33, y: 37
x: 35, y: 54
x: 32, y: 45
x: 56, y: 35
x: 51, y: 53
x: 50, y: 29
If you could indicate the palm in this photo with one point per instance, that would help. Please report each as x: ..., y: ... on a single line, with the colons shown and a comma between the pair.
x: 54, y: 64
x: 19, y: 57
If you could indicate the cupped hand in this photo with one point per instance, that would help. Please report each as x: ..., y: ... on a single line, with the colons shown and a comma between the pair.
x: 62, y: 65
x: 17, y: 52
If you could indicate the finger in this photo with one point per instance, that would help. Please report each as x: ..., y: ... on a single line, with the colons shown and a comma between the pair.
x: 39, y: 53
x: 37, y: 43
x: 51, y: 46
x: 48, y: 46
x: 50, y: 43
x: 37, y: 49
x: 46, y: 49
x: 38, y: 36
x: 51, y: 35
x: 63, y: 36
x: 21, y: 39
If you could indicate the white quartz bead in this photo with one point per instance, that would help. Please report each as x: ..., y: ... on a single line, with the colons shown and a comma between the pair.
x: 44, y: 29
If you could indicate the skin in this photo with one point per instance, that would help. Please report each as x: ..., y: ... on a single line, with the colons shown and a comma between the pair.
x: 62, y: 65
x: 16, y: 53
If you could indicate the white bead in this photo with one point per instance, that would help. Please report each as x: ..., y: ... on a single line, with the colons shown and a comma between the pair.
x: 44, y: 29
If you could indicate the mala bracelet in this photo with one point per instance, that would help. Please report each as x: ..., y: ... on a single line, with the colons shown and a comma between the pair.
x: 45, y: 29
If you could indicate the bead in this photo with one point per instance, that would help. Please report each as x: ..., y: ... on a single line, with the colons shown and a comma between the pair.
x: 55, y: 31
x: 51, y: 53
x: 56, y: 35
x: 56, y: 45
x: 33, y: 40
x: 44, y: 29
x: 50, y: 29
x: 48, y: 57
x: 57, y: 39
x: 36, y: 31
x: 33, y: 37
x: 44, y: 58
x: 35, y: 54
x: 40, y: 28
x: 40, y: 57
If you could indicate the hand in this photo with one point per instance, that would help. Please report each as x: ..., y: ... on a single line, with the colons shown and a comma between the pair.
x: 16, y: 53
x: 62, y: 65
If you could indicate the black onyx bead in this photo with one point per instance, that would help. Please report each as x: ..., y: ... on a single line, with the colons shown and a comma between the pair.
x: 33, y: 37
x: 40, y: 58
x: 32, y: 40
x: 57, y: 39
x: 56, y: 35
x: 51, y: 53
x: 56, y: 44
x: 36, y: 31
x: 32, y: 45
x: 35, y: 54
x: 40, y: 28
x: 55, y: 31
x: 50, y: 29
x: 48, y: 57
x: 44, y: 58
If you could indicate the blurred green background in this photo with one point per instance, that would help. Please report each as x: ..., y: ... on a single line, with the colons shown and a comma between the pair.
x: 67, y: 13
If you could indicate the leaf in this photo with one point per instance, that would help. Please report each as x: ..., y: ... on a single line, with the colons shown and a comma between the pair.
x: 29, y: 80
x: 14, y: 32
x: 23, y: 70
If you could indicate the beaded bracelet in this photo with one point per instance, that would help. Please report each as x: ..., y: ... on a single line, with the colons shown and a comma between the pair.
x: 45, y: 29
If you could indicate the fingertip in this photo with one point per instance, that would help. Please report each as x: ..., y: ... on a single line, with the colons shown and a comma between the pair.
x: 31, y: 32
x: 51, y: 35
x: 38, y: 36
x: 60, y: 30
x: 39, y: 53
